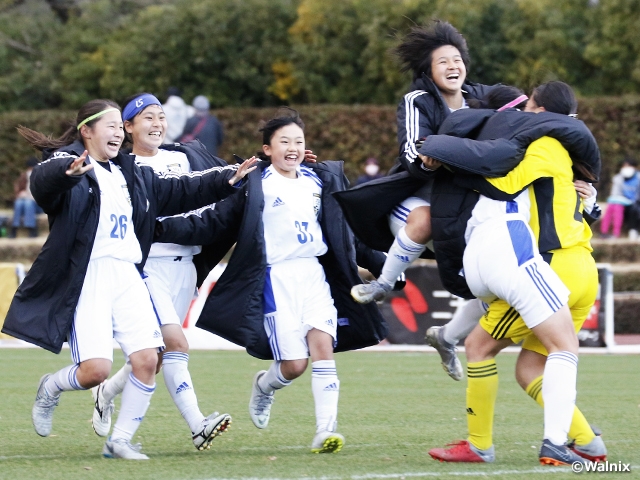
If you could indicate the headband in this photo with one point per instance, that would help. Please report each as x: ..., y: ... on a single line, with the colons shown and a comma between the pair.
x: 96, y: 115
x: 514, y: 102
x: 135, y: 106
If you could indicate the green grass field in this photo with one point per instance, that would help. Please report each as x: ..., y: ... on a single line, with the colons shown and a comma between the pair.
x: 393, y: 408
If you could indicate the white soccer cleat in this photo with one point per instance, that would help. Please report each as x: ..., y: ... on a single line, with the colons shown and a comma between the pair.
x: 102, y: 411
x: 42, y: 412
x: 450, y: 362
x: 121, y: 448
x: 369, y: 292
x: 327, y: 442
x: 211, y: 427
x: 260, y: 403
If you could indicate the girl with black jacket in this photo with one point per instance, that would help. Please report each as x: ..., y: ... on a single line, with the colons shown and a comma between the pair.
x: 85, y: 286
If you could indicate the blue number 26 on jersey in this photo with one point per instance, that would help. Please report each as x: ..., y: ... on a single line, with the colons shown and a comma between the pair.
x: 119, y: 226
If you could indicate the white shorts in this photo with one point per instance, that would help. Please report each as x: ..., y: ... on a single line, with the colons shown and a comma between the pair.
x: 502, y: 261
x: 172, y: 284
x: 399, y: 214
x: 296, y: 299
x: 114, y: 303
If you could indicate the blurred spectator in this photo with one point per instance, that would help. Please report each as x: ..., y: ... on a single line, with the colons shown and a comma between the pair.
x: 24, y: 207
x: 203, y: 126
x: 177, y: 113
x: 624, y: 191
x: 371, y: 171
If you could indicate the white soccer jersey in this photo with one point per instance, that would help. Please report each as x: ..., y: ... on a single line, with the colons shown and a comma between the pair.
x: 115, y: 236
x: 168, y: 161
x: 487, y: 209
x: 291, y: 215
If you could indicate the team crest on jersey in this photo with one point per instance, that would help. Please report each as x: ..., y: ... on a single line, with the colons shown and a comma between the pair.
x: 317, y: 202
x: 125, y: 190
x: 174, y: 167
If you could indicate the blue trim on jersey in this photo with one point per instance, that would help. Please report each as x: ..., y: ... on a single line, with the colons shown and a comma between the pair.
x: 307, y: 172
x: 273, y: 339
x: 268, y: 299
x: 266, y: 173
x: 543, y: 287
x: 512, y: 207
x: 399, y: 214
x: 520, y: 240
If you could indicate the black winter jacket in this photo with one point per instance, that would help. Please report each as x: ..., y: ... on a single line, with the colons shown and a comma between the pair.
x: 234, y: 308
x: 501, y: 140
x: 420, y: 114
x: 43, y: 308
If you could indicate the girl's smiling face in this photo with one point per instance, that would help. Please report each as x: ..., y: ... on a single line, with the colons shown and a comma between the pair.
x: 104, y: 138
x: 448, y: 71
x: 147, y: 130
x: 286, y: 149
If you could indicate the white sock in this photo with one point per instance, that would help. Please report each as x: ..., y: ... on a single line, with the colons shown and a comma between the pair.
x: 273, y: 379
x: 401, y: 254
x: 178, y: 381
x: 464, y: 321
x: 326, y: 390
x: 559, y: 395
x: 136, y: 397
x: 63, y: 381
x: 115, y: 385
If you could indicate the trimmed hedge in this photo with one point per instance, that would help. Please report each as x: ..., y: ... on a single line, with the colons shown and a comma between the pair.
x: 351, y: 133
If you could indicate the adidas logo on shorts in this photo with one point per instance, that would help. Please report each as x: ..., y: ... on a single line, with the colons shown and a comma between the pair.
x: 331, y: 388
x: 157, y: 334
x: 470, y: 411
x: 329, y: 322
x: 278, y: 202
x: 182, y: 387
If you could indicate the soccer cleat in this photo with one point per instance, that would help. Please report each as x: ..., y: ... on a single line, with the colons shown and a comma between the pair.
x: 551, y: 454
x: 450, y: 362
x: 212, y: 426
x: 327, y: 442
x: 260, y: 403
x: 369, y: 292
x: 121, y: 448
x: 42, y: 412
x: 463, y: 452
x: 594, y: 451
x: 102, y: 411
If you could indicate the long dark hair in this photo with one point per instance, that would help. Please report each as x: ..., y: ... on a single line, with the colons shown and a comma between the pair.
x: 556, y: 97
x: 283, y: 117
x: 41, y: 141
x: 417, y: 47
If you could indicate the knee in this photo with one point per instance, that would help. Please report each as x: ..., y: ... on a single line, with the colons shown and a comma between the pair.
x: 418, y: 226
x: 292, y: 369
x: 176, y: 344
x: 92, y: 373
x: 144, y: 361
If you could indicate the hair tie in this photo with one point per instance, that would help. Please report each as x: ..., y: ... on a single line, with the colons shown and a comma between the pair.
x: 514, y: 102
x: 96, y: 115
x: 135, y: 106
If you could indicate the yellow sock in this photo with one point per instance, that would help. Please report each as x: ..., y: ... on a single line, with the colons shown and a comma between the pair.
x: 580, y: 430
x: 482, y: 390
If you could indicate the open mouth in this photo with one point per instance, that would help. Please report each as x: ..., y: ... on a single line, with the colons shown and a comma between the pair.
x: 155, y: 134
x: 114, y: 144
x: 453, y: 76
x: 291, y: 158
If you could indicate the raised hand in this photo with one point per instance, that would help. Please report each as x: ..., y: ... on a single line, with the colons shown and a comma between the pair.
x: 77, y: 167
x: 247, y: 166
